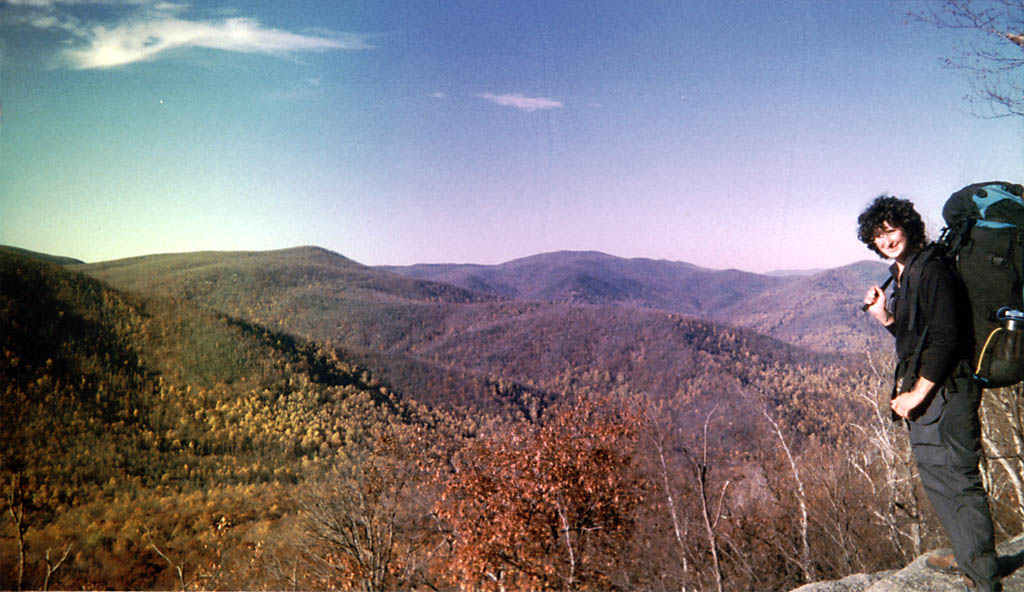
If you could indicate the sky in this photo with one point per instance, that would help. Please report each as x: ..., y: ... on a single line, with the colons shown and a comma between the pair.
x: 727, y: 134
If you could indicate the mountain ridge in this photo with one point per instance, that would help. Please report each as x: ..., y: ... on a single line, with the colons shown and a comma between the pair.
x: 816, y: 310
x: 594, y: 277
x: 58, y: 259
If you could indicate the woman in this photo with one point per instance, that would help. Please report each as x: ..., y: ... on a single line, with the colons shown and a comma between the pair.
x: 934, y: 392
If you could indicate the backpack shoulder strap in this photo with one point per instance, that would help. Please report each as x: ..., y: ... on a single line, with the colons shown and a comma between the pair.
x: 913, y: 281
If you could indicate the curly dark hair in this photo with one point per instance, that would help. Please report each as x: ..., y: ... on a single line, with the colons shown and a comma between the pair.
x: 899, y: 213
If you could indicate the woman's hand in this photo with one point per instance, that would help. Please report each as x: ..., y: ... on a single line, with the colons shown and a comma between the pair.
x: 875, y: 301
x: 905, y: 404
x: 908, y: 405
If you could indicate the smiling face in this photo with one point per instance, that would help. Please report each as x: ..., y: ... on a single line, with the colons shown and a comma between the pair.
x: 892, y: 242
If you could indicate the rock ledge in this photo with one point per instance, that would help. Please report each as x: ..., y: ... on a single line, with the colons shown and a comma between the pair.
x: 916, y: 577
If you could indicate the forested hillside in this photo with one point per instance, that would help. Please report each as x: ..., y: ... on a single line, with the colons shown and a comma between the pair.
x: 820, y: 311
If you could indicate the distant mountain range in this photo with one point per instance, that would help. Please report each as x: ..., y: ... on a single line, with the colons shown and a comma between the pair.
x: 597, y: 278
x: 817, y: 310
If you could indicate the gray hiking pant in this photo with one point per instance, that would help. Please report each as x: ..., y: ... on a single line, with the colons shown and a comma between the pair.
x: 946, y: 441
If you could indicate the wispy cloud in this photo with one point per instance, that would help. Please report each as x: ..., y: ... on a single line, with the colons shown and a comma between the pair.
x: 155, y: 27
x: 144, y: 40
x: 520, y: 102
x: 40, y: 14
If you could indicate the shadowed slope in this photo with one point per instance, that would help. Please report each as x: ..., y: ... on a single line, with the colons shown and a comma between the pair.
x: 127, y: 413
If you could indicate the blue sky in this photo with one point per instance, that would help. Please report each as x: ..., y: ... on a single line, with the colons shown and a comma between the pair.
x: 725, y: 134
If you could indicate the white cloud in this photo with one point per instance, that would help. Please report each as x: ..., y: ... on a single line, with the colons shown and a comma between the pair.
x: 520, y: 102
x: 144, y: 40
x: 153, y: 27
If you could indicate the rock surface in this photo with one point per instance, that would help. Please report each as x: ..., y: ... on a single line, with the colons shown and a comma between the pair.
x: 916, y: 577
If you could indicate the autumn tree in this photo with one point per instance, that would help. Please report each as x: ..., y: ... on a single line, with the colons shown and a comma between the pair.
x: 546, y: 507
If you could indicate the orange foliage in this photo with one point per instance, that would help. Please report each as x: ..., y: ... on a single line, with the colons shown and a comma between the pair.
x: 545, y: 507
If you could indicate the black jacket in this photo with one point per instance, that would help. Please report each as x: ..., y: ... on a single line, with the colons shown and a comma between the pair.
x: 942, y: 308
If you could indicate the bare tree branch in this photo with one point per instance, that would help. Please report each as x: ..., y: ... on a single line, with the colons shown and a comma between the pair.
x: 178, y: 568
x: 51, y: 567
x: 16, y: 508
x: 700, y: 473
x: 805, y: 549
x: 992, y: 51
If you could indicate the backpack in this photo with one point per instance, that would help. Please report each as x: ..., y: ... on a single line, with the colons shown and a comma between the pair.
x: 984, y: 243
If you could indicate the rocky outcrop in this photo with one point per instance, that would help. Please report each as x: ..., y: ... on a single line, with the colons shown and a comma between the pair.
x: 916, y: 577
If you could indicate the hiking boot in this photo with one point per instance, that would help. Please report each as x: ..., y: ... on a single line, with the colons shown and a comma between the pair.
x: 943, y: 562
x: 970, y: 586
